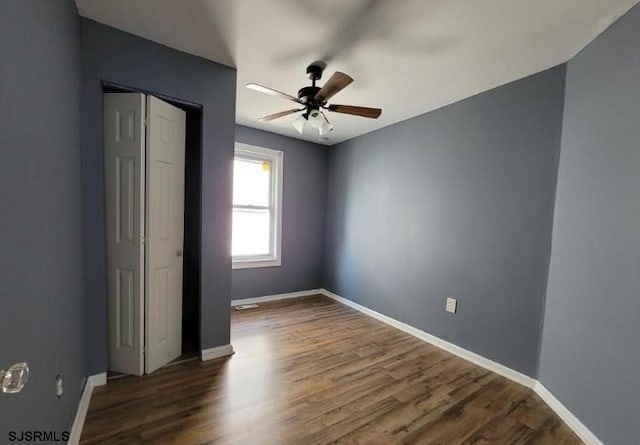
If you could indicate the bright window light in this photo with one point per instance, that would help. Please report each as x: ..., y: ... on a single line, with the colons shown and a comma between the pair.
x: 257, y: 207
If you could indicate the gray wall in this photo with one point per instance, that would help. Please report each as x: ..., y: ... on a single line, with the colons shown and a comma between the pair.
x: 590, y: 350
x: 115, y: 56
x: 42, y: 318
x: 303, y: 218
x: 457, y: 202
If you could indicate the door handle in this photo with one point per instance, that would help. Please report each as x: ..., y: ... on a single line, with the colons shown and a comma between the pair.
x: 178, y: 252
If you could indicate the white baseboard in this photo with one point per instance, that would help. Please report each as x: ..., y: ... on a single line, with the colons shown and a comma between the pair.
x: 479, y: 360
x: 83, y: 406
x: 567, y: 416
x: 579, y: 428
x: 287, y: 296
x: 98, y: 379
x: 217, y: 352
x: 562, y: 411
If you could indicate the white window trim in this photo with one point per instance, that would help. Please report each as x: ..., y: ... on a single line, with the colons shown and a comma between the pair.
x: 277, y: 160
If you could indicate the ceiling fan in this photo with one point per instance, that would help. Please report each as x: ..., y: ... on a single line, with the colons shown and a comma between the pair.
x: 313, y: 100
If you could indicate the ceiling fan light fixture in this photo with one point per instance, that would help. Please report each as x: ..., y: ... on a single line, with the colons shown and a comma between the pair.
x: 299, y: 123
x: 315, y: 119
x: 325, y: 127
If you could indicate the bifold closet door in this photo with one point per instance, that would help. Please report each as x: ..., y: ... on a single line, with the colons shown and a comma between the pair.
x: 124, y: 145
x: 144, y: 180
x: 165, y: 232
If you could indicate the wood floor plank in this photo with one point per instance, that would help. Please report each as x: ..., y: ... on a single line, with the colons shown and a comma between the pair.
x: 312, y: 371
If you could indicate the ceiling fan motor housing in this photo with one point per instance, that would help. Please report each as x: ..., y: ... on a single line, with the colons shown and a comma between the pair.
x: 307, y: 96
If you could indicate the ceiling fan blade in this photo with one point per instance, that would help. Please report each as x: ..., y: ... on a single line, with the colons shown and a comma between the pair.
x: 280, y: 114
x: 271, y: 91
x: 372, y: 113
x: 336, y: 83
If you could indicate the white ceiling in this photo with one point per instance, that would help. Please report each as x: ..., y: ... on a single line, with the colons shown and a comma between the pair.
x: 406, y: 56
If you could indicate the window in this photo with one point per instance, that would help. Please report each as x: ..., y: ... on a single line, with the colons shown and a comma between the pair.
x: 257, y: 207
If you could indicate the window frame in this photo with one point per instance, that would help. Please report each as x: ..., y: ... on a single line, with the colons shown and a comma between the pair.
x: 276, y: 157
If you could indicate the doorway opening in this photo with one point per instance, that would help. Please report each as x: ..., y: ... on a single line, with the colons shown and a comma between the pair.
x: 190, y: 329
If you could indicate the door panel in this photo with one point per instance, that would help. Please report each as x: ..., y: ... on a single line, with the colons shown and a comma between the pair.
x: 125, y: 199
x: 124, y: 139
x: 125, y: 298
x: 165, y: 227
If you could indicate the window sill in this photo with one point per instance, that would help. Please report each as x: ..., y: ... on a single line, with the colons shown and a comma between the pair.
x: 254, y: 264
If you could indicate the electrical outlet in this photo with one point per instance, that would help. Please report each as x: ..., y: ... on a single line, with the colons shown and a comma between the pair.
x: 59, y: 389
x: 452, y: 305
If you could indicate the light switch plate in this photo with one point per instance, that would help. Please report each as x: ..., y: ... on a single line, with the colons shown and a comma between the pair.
x: 452, y: 305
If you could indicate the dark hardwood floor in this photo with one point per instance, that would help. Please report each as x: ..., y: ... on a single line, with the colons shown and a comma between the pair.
x: 312, y: 371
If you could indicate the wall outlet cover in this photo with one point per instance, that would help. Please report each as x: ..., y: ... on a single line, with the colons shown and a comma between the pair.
x: 452, y: 305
